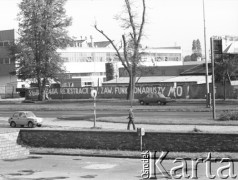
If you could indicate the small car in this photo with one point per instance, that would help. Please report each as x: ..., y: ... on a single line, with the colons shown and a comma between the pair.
x: 159, y: 98
x: 25, y: 118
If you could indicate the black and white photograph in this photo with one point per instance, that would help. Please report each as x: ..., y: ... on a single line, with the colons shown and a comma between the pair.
x: 118, y: 89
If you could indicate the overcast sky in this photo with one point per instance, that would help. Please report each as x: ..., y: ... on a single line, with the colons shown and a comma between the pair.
x: 169, y: 22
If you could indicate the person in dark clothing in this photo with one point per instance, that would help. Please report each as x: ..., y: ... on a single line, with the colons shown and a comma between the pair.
x: 131, y: 119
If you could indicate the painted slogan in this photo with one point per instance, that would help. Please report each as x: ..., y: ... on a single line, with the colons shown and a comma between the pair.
x: 184, y: 91
x: 110, y: 92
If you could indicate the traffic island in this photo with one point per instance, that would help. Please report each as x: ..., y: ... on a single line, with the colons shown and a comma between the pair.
x: 101, y: 139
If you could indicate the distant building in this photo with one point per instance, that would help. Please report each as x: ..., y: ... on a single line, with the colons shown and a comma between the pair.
x: 85, y: 66
x: 162, y: 56
x: 84, y: 43
x: 85, y: 62
x: 8, y: 79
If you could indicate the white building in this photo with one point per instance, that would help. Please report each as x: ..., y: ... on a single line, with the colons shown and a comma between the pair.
x: 162, y: 56
x: 86, y: 66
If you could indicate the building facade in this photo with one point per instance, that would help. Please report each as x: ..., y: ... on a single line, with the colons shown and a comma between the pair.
x: 85, y: 63
x: 8, y: 80
x: 85, y: 66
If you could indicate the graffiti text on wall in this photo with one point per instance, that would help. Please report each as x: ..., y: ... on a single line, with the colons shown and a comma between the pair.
x: 35, y: 92
x: 167, y: 91
x: 172, y: 91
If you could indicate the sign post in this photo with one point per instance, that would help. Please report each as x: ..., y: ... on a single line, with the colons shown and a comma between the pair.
x: 94, y: 95
x: 140, y: 132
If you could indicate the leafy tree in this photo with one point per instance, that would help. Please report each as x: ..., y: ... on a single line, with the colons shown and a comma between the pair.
x: 133, y: 26
x: 196, y: 48
x: 226, y: 69
x: 187, y: 58
x: 42, y: 30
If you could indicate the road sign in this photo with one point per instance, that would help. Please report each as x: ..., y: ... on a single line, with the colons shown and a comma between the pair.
x: 225, y: 45
x: 230, y: 45
x: 94, y: 93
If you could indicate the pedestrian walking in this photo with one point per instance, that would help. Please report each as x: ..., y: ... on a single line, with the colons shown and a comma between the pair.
x: 131, y: 119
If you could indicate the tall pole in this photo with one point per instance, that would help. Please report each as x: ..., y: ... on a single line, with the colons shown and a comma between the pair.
x: 205, y: 48
x: 213, y: 80
x: 131, y: 86
x: 94, y: 111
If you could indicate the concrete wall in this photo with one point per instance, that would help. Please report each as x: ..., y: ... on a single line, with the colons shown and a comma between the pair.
x: 9, y: 149
x: 129, y: 140
x: 183, y: 91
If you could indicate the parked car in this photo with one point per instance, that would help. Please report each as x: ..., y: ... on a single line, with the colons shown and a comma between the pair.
x: 159, y: 98
x: 24, y: 118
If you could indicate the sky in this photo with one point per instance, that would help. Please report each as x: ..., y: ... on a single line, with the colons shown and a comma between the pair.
x: 168, y: 22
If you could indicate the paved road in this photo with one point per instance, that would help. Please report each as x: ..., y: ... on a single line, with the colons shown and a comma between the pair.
x: 53, y: 167
x: 70, y: 167
x: 164, y: 115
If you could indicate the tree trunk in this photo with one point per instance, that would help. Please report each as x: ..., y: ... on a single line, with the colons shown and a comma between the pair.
x: 131, y: 88
x: 41, y: 87
x: 41, y: 96
x: 224, y: 88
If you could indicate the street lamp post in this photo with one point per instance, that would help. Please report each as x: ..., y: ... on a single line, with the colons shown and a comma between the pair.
x: 205, y: 48
x: 131, y: 86
x: 213, y: 79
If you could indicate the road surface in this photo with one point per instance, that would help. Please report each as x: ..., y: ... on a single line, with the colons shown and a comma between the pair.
x: 54, y: 167
x: 145, y: 114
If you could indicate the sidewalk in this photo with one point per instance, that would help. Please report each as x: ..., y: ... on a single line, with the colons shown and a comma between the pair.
x: 74, y: 125
x: 54, y: 123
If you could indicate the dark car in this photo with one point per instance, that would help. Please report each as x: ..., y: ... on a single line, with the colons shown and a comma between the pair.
x: 159, y: 99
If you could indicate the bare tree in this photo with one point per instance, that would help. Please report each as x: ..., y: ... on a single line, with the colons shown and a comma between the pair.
x: 131, y: 55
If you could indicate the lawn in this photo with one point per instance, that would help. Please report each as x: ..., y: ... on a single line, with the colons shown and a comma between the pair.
x: 119, y: 118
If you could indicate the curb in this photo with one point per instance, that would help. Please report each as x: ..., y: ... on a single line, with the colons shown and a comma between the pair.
x: 86, y: 155
x: 115, y: 156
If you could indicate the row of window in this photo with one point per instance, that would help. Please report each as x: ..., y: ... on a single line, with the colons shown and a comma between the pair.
x: 160, y: 58
x: 108, y: 57
x: 84, y: 59
x: 88, y: 74
x: 6, y: 61
x: 87, y: 57
x: 5, y: 43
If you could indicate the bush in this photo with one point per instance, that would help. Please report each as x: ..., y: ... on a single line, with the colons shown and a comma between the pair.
x: 228, y: 115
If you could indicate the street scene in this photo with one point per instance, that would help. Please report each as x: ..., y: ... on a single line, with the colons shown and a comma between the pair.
x: 122, y: 89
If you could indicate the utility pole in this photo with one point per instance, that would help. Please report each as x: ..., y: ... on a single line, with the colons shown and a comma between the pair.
x: 131, y: 86
x: 206, y: 63
x: 213, y: 79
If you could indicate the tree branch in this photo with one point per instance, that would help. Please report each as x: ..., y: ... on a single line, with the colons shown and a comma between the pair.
x: 128, y: 6
x: 112, y: 43
x: 142, y: 22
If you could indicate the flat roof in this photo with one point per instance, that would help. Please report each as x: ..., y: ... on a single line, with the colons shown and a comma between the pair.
x: 162, y: 79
